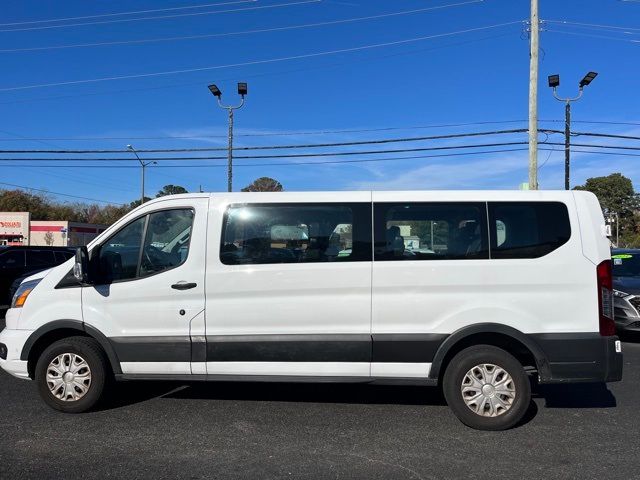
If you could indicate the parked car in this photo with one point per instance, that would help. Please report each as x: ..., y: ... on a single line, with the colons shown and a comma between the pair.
x: 626, y: 289
x: 18, y: 262
x: 202, y: 287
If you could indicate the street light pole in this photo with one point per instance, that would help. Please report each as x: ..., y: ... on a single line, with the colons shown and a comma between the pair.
x: 143, y: 165
x: 554, y: 82
x: 242, y: 91
x: 230, y: 152
x: 567, y: 144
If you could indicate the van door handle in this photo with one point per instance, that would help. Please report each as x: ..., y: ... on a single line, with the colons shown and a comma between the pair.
x: 183, y: 286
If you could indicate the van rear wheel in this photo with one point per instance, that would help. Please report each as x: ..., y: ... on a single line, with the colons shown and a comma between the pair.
x: 487, y: 388
x: 71, y: 374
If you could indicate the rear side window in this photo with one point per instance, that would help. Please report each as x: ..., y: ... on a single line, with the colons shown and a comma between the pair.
x: 625, y: 264
x: 296, y: 233
x: 12, y: 259
x: 527, y: 229
x: 62, y: 257
x: 430, y: 231
x: 40, y: 258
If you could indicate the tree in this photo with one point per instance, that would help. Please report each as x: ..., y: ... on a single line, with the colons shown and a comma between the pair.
x: 264, y: 184
x: 20, y: 201
x: 48, y: 238
x: 171, y: 190
x: 136, y: 203
x: 616, y: 194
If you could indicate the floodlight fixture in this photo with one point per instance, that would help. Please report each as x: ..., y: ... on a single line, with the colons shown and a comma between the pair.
x: 554, y: 81
x: 242, y: 91
x: 588, y: 78
x: 215, y: 90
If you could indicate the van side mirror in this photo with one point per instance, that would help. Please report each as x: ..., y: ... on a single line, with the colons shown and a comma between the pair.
x: 81, y: 267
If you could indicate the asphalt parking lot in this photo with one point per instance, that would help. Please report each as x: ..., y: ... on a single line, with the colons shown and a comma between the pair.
x: 240, y: 430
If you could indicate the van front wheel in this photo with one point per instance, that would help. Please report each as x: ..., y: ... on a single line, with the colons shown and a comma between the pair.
x: 487, y: 388
x: 71, y: 374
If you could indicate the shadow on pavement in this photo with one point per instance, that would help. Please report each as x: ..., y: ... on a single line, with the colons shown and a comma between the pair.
x: 577, y: 395
x: 127, y: 393
x: 587, y: 395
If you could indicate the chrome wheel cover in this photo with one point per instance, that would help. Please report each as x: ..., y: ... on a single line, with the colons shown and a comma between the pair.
x: 488, y: 390
x: 68, y: 377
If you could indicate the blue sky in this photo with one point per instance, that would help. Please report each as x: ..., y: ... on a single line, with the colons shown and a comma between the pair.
x: 477, y: 76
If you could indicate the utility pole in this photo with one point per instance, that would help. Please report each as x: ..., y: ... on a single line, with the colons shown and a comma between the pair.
x: 242, y: 91
x: 143, y: 165
x: 554, y: 82
x: 534, y: 28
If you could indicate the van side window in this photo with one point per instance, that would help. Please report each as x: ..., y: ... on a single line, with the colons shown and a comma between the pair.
x: 120, y: 254
x: 296, y: 233
x: 166, y: 242
x: 151, y: 244
x: 430, y: 231
x: 527, y: 229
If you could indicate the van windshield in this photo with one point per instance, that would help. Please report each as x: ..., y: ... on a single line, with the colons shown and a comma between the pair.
x: 626, y: 264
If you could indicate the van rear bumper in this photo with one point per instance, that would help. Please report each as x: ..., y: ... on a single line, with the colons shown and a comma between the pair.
x: 580, y: 357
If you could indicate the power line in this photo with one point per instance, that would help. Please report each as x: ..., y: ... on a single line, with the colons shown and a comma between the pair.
x: 350, y: 63
x: 259, y: 62
x: 334, y: 162
x: 57, y: 193
x: 288, y: 147
x: 296, y: 164
x: 322, y: 154
x: 273, y: 134
x: 295, y: 155
x: 604, y: 37
x: 323, y: 162
x: 596, y: 122
x: 328, y: 162
x: 335, y: 144
x: 32, y: 22
x: 605, y: 135
x: 623, y: 154
x: 242, y: 32
x: 311, y: 132
x: 595, y: 25
x: 160, y: 17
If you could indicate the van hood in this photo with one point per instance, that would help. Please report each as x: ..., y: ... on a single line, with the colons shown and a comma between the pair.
x: 39, y: 275
x: 629, y: 285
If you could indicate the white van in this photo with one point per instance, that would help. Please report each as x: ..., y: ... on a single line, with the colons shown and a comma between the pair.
x: 479, y: 292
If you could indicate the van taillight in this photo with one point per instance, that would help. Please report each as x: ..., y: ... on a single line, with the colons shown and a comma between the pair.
x: 605, y: 299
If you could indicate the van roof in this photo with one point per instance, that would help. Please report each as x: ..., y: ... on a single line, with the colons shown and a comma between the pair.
x: 385, y: 195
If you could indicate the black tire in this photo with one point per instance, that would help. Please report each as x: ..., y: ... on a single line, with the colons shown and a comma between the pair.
x: 91, y: 352
x: 455, y: 373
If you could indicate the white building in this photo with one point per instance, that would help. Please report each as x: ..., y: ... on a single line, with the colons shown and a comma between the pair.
x: 17, y: 228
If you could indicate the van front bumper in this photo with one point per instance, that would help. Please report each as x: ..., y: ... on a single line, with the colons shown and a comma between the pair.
x: 14, y: 340
x: 580, y: 357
